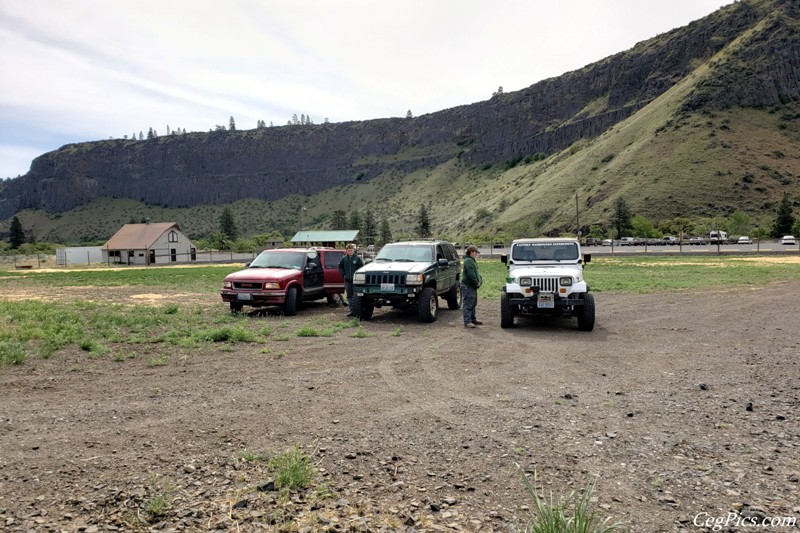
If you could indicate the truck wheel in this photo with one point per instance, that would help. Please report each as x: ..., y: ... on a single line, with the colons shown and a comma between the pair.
x: 586, y: 314
x: 454, y: 297
x: 236, y: 307
x: 428, y: 305
x: 506, y: 312
x: 290, y: 305
x: 363, y: 308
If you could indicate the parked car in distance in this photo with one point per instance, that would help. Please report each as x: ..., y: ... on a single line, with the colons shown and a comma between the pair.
x: 744, y: 239
x: 592, y: 241
x: 285, y: 277
x: 697, y: 240
x: 669, y: 239
x: 607, y: 242
x: 627, y: 241
x: 498, y: 244
x: 788, y: 239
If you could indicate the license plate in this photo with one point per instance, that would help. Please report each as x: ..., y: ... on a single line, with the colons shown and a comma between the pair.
x: 545, y: 301
x: 387, y: 287
x: 244, y: 296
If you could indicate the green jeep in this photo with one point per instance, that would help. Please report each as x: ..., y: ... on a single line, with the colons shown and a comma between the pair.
x: 409, y: 275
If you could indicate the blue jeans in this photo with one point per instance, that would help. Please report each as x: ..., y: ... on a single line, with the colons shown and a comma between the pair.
x: 348, y: 289
x: 469, y: 301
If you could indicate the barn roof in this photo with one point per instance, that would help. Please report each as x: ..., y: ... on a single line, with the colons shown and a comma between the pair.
x: 138, y: 236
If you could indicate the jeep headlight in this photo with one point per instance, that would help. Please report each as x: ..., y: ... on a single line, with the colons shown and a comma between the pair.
x: 414, y: 279
x: 359, y: 278
x: 525, y: 282
x: 272, y: 285
x: 565, y: 282
x: 226, y: 284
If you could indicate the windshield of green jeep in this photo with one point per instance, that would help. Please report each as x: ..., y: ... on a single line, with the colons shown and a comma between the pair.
x: 545, y: 251
x: 406, y: 252
x: 272, y: 259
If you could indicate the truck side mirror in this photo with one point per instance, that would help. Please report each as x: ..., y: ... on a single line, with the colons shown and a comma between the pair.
x: 587, y: 258
x: 504, y: 259
x: 443, y: 262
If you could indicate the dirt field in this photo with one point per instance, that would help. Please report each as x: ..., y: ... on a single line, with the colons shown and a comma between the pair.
x: 680, y: 407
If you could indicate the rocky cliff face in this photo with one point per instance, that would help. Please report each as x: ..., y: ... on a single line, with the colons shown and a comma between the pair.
x: 269, y: 163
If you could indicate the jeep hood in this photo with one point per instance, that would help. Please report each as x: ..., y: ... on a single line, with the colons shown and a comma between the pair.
x: 262, y: 274
x: 541, y: 271
x: 395, y: 266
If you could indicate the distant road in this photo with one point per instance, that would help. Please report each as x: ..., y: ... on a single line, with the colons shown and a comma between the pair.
x: 765, y: 246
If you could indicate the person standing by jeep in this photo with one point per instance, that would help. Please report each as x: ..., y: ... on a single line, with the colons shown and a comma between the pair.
x: 347, y: 267
x: 471, y: 280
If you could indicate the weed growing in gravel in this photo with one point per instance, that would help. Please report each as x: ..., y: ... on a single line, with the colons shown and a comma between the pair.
x: 361, y: 333
x: 11, y: 353
x: 161, y: 360
x: 226, y: 334
x: 282, y: 337
x: 307, y: 331
x: 397, y: 331
x: 292, y: 469
x: 249, y: 456
x: 158, y: 497
x: 571, y: 516
x: 95, y: 349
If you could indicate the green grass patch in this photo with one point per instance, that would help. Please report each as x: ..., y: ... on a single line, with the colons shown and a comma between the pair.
x: 565, y: 515
x: 292, y: 469
x: 654, y: 274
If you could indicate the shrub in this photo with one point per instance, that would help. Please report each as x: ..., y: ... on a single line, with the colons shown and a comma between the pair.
x: 292, y: 469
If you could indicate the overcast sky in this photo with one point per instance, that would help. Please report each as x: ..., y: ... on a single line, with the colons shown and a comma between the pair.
x: 84, y: 70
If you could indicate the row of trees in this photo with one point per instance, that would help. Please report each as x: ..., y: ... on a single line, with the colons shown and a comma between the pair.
x: 626, y: 224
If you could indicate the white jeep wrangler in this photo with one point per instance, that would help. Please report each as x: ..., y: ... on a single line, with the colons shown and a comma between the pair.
x: 545, y: 276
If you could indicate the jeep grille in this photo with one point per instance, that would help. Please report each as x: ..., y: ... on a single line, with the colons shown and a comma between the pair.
x: 247, y: 285
x: 545, y: 284
x: 377, y: 279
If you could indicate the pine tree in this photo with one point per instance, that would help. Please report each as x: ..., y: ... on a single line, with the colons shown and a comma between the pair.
x: 369, y: 228
x: 339, y: 220
x: 621, y: 218
x: 386, y: 232
x: 232, y: 124
x: 423, y: 222
x: 408, y: 114
x: 785, y: 219
x: 17, y: 235
x: 355, y: 221
x: 227, y: 226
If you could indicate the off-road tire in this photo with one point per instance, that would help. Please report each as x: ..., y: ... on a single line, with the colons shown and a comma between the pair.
x: 236, y: 307
x: 290, y: 304
x: 454, y: 297
x: 506, y: 312
x: 586, y: 313
x: 428, y: 305
x: 363, y: 308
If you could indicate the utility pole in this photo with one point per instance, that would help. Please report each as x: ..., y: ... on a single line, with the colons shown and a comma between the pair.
x: 577, y: 218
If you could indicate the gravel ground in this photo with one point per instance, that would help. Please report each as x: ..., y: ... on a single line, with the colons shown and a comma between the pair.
x: 679, y: 407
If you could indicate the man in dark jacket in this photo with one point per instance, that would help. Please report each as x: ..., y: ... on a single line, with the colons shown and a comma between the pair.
x: 347, y: 267
x: 471, y: 279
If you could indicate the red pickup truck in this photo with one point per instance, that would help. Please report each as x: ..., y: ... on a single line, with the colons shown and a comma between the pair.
x: 285, y: 277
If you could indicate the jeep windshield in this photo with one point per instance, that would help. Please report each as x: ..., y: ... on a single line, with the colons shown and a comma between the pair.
x: 406, y: 252
x: 268, y: 259
x: 545, y: 251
